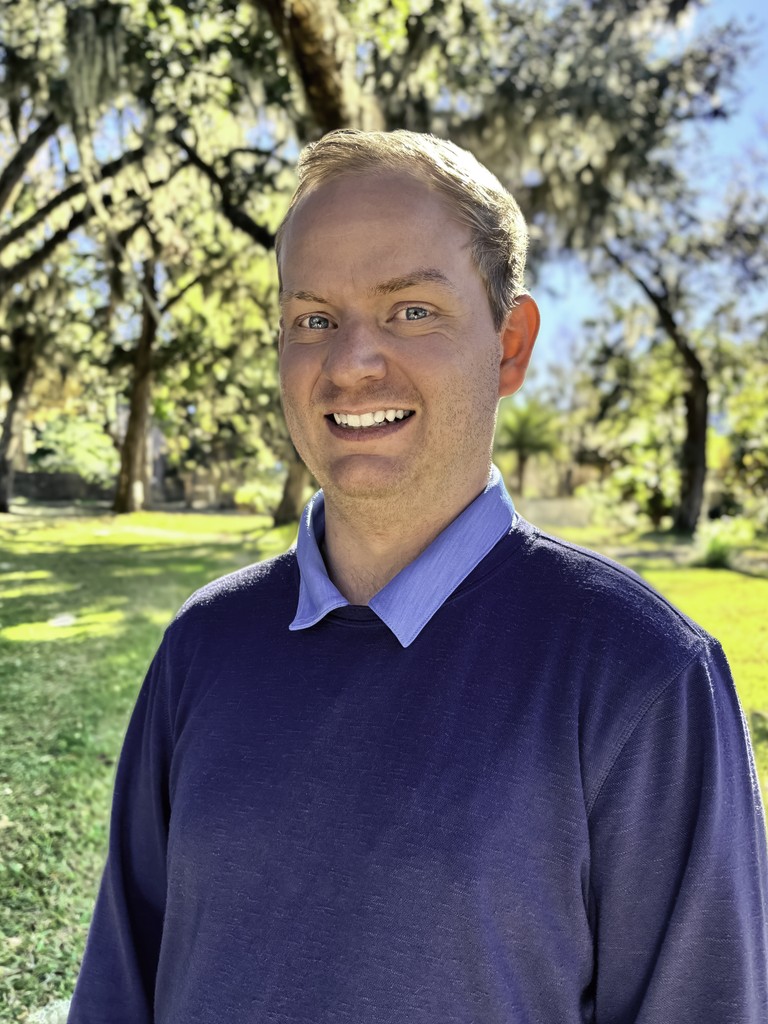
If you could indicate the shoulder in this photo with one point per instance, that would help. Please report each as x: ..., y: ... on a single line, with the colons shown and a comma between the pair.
x: 258, y: 593
x: 591, y: 632
x: 635, y: 666
x: 260, y: 577
x: 225, y: 627
x: 599, y: 597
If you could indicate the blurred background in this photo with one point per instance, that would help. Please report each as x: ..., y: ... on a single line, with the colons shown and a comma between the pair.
x: 147, y: 155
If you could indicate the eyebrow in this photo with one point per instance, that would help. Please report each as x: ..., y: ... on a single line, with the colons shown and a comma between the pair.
x: 302, y: 296
x: 422, y: 275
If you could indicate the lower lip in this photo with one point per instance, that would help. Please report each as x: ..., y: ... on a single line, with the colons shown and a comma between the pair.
x: 358, y: 434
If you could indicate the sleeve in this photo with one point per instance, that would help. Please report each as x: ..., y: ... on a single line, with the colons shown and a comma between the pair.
x: 117, y: 976
x: 679, y: 875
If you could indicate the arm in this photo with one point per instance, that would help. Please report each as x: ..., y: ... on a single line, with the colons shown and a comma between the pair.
x: 117, y: 976
x: 679, y: 877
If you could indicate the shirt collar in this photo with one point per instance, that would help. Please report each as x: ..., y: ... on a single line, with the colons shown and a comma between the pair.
x: 410, y: 599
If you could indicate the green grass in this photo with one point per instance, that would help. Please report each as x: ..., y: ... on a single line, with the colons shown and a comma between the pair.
x: 84, y: 601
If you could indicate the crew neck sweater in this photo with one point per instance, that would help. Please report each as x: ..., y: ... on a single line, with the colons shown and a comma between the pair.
x: 544, y: 810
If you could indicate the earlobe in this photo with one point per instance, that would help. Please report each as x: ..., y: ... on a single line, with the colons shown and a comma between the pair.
x: 517, y: 340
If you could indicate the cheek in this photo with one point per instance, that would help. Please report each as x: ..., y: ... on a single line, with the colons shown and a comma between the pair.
x: 470, y: 376
x: 469, y: 398
x: 298, y: 372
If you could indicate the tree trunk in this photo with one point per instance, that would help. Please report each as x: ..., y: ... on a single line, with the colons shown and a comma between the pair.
x: 693, y: 458
x: 292, y: 502
x: 131, y: 494
x: 693, y: 461
x: 322, y: 48
x: 23, y: 355
x: 6, y: 477
x: 522, y: 462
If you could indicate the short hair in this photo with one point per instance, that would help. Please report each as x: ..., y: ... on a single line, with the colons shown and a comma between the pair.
x: 498, y: 229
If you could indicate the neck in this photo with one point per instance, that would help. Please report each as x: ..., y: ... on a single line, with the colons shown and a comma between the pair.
x: 366, y: 545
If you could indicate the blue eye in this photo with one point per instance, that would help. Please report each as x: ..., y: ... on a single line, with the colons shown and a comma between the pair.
x: 415, y: 312
x: 315, y: 322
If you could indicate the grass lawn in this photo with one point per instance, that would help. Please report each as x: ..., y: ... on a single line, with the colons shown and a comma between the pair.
x: 83, y: 604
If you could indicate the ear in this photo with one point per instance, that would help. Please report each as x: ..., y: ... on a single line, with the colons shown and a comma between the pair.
x: 518, y: 336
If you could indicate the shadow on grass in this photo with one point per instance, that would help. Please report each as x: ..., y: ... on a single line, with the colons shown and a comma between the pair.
x: 657, y: 550
x: 85, y: 571
x: 62, y: 588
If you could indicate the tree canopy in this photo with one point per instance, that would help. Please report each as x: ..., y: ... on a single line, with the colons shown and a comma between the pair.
x: 147, y: 154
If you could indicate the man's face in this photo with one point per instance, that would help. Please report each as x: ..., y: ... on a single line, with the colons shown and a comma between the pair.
x: 389, y: 360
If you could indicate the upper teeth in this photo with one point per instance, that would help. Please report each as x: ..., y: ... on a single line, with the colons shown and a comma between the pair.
x: 368, y: 419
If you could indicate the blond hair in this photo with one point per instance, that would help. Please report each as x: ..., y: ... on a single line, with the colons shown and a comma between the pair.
x: 498, y: 229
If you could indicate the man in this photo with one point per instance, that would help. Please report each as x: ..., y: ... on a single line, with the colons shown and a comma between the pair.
x: 432, y: 766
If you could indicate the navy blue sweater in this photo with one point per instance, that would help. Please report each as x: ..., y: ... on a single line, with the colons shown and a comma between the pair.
x: 544, y: 811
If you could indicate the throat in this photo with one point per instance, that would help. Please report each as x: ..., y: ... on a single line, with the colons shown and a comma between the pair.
x: 361, y: 562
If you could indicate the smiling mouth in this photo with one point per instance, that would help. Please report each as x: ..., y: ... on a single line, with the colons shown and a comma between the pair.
x: 366, y: 420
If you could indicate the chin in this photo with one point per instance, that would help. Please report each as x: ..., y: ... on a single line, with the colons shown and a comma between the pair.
x: 362, y: 490
x: 365, y: 477
x: 366, y: 486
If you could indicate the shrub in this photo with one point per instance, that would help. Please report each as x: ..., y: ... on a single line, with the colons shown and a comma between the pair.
x: 718, y: 540
x: 261, y: 494
x: 76, y: 446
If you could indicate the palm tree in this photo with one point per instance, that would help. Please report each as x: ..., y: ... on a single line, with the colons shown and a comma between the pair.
x: 527, y: 428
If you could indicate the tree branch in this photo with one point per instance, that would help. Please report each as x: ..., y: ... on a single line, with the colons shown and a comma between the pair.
x: 183, y: 291
x: 660, y: 301
x: 40, y: 216
x: 10, y: 276
x: 14, y: 169
x: 236, y: 215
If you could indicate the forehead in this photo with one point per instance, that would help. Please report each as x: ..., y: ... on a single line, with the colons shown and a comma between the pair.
x: 372, y: 226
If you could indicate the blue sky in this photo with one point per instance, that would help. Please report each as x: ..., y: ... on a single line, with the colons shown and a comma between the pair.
x: 575, y: 296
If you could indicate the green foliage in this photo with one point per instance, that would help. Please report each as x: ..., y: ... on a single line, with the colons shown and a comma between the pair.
x: 172, y: 107
x: 744, y: 478
x: 259, y: 495
x: 624, y: 418
x: 76, y: 446
x: 719, y: 540
x: 216, y: 395
x: 527, y: 427
x: 644, y: 478
x: 171, y: 132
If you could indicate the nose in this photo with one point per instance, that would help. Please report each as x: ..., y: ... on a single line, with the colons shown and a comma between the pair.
x: 356, y: 354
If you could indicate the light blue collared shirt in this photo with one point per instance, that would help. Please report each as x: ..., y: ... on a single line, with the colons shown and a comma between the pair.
x: 410, y: 599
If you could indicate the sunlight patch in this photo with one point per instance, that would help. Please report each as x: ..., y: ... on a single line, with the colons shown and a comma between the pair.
x: 37, y: 590
x: 65, y: 627
x: 24, y: 575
